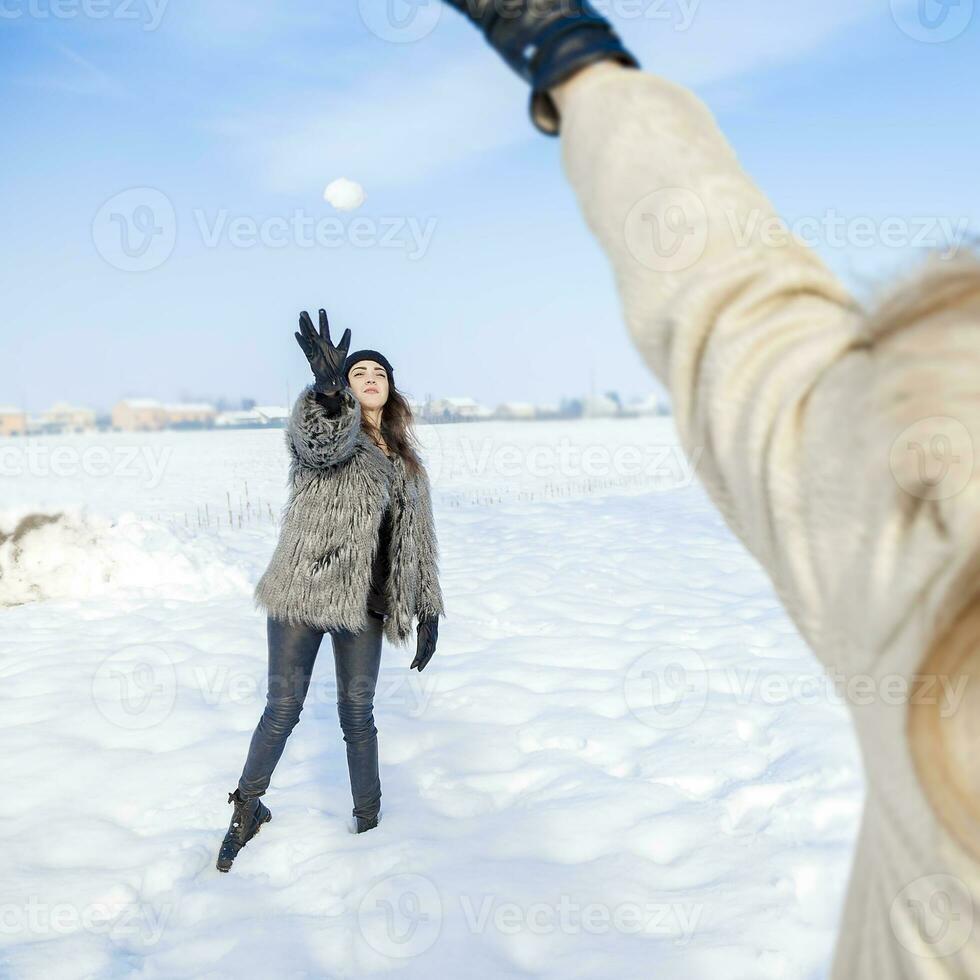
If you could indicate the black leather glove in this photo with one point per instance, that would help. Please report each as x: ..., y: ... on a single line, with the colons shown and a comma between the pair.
x: 428, y: 636
x: 546, y: 42
x: 326, y: 360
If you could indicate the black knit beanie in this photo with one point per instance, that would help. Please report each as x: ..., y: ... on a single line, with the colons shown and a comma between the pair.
x: 369, y: 355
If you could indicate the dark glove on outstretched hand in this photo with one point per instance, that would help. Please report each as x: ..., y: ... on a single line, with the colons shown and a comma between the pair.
x: 428, y: 636
x: 546, y: 42
x: 326, y: 360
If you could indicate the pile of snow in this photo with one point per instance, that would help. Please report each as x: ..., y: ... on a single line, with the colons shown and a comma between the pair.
x: 66, y: 555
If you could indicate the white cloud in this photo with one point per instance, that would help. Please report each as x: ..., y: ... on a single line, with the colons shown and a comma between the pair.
x: 250, y: 24
x: 410, y: 111
x: 78, y: 77
x: 727, y: 40
x: 394, y: 128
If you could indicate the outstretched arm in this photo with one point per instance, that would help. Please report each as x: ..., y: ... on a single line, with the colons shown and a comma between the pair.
x: 838, y: 447
x: 750, y: 335
x: 323, y: 426
x: 322, y: 430
x: 817, y: 427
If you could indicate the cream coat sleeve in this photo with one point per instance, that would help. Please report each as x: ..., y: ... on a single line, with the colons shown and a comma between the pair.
x: 816, y: 430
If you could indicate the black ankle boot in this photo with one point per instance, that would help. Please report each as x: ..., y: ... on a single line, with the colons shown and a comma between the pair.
x: 546, y: 42
x: 363, y: 823
x: 246, y: 821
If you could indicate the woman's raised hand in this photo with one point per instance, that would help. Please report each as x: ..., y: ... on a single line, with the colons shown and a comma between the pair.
x: 326, y: 360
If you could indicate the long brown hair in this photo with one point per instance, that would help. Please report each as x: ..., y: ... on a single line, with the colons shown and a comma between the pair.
x: 398, y: 429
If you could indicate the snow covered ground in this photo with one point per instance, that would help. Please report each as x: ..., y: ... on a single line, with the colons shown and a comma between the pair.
x: 622, y: 761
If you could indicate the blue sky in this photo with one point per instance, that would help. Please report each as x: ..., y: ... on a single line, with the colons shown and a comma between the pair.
x: 246, y: 110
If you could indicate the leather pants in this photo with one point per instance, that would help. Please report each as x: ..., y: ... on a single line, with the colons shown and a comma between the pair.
x: 357, y: 661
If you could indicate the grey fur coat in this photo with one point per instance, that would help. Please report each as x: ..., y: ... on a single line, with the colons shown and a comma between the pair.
x: 340, y: 483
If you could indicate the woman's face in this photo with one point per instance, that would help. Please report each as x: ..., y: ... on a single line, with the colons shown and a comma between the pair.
x: 369, y: 382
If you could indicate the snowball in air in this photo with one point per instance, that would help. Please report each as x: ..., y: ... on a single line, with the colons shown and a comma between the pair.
x: 344, y: 194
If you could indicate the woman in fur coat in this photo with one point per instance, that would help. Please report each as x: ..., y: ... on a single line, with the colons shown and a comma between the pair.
x: 357, y: 558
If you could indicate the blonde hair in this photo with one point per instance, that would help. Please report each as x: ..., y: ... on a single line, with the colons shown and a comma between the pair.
x: 937, y: 287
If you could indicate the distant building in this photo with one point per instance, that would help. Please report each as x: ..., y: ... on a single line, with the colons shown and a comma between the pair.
x: 62, y: 417
x: 139, y: 415
x: 652, y: 404
x: 457, y: 408
x: 274, y: 415
x: 516, y: 410
x: 259, y: 417
x: 239, y: 419
x: 599, y: 406
x: 13, y: 421
x: 190, y: 415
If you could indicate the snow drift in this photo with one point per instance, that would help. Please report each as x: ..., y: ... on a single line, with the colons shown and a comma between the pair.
x: 66, y: 555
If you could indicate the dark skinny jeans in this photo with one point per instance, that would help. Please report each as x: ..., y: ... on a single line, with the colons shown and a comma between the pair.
x: 357, y: 660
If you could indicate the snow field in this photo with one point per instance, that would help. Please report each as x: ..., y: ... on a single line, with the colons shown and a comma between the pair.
x: 622, y: 760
